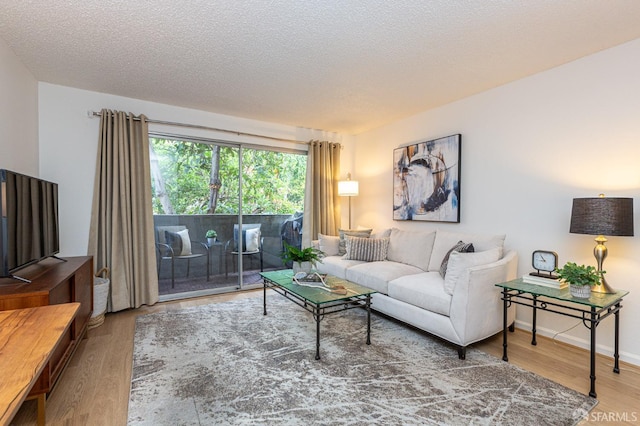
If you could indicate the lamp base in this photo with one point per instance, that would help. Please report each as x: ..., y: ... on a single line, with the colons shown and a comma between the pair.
x: 602, y: 287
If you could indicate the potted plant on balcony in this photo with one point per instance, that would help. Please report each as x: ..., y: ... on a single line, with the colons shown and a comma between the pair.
x: 303, y: 259
x: 580, y: 278
x: 211, y: 236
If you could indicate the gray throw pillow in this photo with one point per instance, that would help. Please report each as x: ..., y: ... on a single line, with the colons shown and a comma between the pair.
x: 460, y: 247
x: 342, y: 247
x: 366, y: 249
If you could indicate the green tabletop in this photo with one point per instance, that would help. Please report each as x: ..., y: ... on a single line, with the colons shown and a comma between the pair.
x: 597, y: 300
x: 284, y: 278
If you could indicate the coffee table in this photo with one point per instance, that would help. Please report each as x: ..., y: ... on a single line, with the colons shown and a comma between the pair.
x: 318, y: 301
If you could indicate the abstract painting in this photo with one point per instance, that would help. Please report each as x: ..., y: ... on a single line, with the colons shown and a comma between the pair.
x: 426, y: 180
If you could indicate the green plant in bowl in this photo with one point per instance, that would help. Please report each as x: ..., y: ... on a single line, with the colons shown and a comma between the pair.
x: 300, y: 255
x: 580, y: 275
x: 580, y: 278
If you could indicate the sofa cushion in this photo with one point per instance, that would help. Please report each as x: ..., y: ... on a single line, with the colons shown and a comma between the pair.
x: 459, y: 264
x: 336, y: 266
x: 329, y: 244
x: 411, y: 247
x: 342, y: 248
x: 424, y: 290
x: 444, y: 240
x: 461, y: 247
x: 376, y: 275
x: 366, y: 249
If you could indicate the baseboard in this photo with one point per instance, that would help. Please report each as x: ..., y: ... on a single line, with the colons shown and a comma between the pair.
x: 578, y: 342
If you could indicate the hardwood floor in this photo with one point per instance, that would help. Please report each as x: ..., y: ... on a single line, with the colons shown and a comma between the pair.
x: 94, y: 389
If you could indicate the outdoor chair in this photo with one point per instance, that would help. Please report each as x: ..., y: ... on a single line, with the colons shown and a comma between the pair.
x: 173, y: 243
x: 252, y: 242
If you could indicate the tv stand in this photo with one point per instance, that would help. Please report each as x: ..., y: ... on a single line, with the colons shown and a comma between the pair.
x: 54, y: 283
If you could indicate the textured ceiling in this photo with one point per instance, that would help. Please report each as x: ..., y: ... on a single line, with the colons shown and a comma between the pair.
x: 336, y: 65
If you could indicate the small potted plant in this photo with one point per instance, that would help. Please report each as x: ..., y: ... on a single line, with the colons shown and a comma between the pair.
x: 211, y: 235
x: 580, y: 278
x: 303, y: 259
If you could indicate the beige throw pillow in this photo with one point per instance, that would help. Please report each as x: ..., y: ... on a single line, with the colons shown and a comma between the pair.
x: 459, y: 263
x: 329, y: 244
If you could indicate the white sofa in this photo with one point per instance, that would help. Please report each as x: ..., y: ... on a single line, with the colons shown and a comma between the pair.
x: 462, y: 308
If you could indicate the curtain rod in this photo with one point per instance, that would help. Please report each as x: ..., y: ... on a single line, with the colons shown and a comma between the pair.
x: 92, y: 114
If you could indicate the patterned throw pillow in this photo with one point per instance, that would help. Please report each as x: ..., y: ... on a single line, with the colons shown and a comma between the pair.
x: 342, y: 247
x: 460, y: 247
x: 367, y: 249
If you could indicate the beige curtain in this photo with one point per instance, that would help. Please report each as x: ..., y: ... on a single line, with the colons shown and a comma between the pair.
x: 121, y: 236
x: 321, y: 202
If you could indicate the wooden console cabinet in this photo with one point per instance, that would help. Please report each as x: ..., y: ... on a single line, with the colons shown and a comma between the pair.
x: 54, y: 282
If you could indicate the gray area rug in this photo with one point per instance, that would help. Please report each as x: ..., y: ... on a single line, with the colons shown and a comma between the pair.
x: 227, y: 363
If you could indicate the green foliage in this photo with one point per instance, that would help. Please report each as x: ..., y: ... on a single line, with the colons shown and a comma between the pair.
x: 294, y: 254
x: 211, y: 233
x: 578, y: 274
x: 272, y: 182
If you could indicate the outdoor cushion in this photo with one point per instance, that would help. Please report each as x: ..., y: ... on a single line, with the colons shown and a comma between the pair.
x: 179, y: 242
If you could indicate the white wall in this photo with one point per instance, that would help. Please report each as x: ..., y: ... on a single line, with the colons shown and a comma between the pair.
x: 18, y: 115
x: 69, y: 143
x: 529, y: 148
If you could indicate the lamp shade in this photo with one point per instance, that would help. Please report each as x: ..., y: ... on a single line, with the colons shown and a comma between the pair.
x: 348, y: 188
x: 602, y: 216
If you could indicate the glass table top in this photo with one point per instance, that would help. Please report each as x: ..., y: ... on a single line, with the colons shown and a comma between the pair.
x: 284, y: 278
x: 597, y: 300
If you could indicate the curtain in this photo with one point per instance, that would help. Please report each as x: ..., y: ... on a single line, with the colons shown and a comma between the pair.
x: 122, y: 235
x: 321, y: 202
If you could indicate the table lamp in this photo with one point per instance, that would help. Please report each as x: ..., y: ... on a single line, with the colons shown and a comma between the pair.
x: 348, y: 188
x: 602, y: 216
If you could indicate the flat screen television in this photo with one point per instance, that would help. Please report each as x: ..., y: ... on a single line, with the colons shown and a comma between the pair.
x: 29, y: 214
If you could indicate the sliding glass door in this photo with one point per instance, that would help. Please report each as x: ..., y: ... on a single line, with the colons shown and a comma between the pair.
x: 222, y: 213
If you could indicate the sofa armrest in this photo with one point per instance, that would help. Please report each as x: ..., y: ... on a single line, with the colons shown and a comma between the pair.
x: 476, y: 305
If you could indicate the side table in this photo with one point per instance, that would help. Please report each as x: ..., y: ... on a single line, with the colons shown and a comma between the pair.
x: 591, y: 311
x: 219, y: 247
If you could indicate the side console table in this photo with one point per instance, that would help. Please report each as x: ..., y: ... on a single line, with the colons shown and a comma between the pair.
x: 591, y: 311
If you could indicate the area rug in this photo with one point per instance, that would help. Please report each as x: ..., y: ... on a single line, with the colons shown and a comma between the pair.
x: 228, y: 363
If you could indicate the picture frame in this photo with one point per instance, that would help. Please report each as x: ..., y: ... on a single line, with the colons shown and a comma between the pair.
x: 426, y: 180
